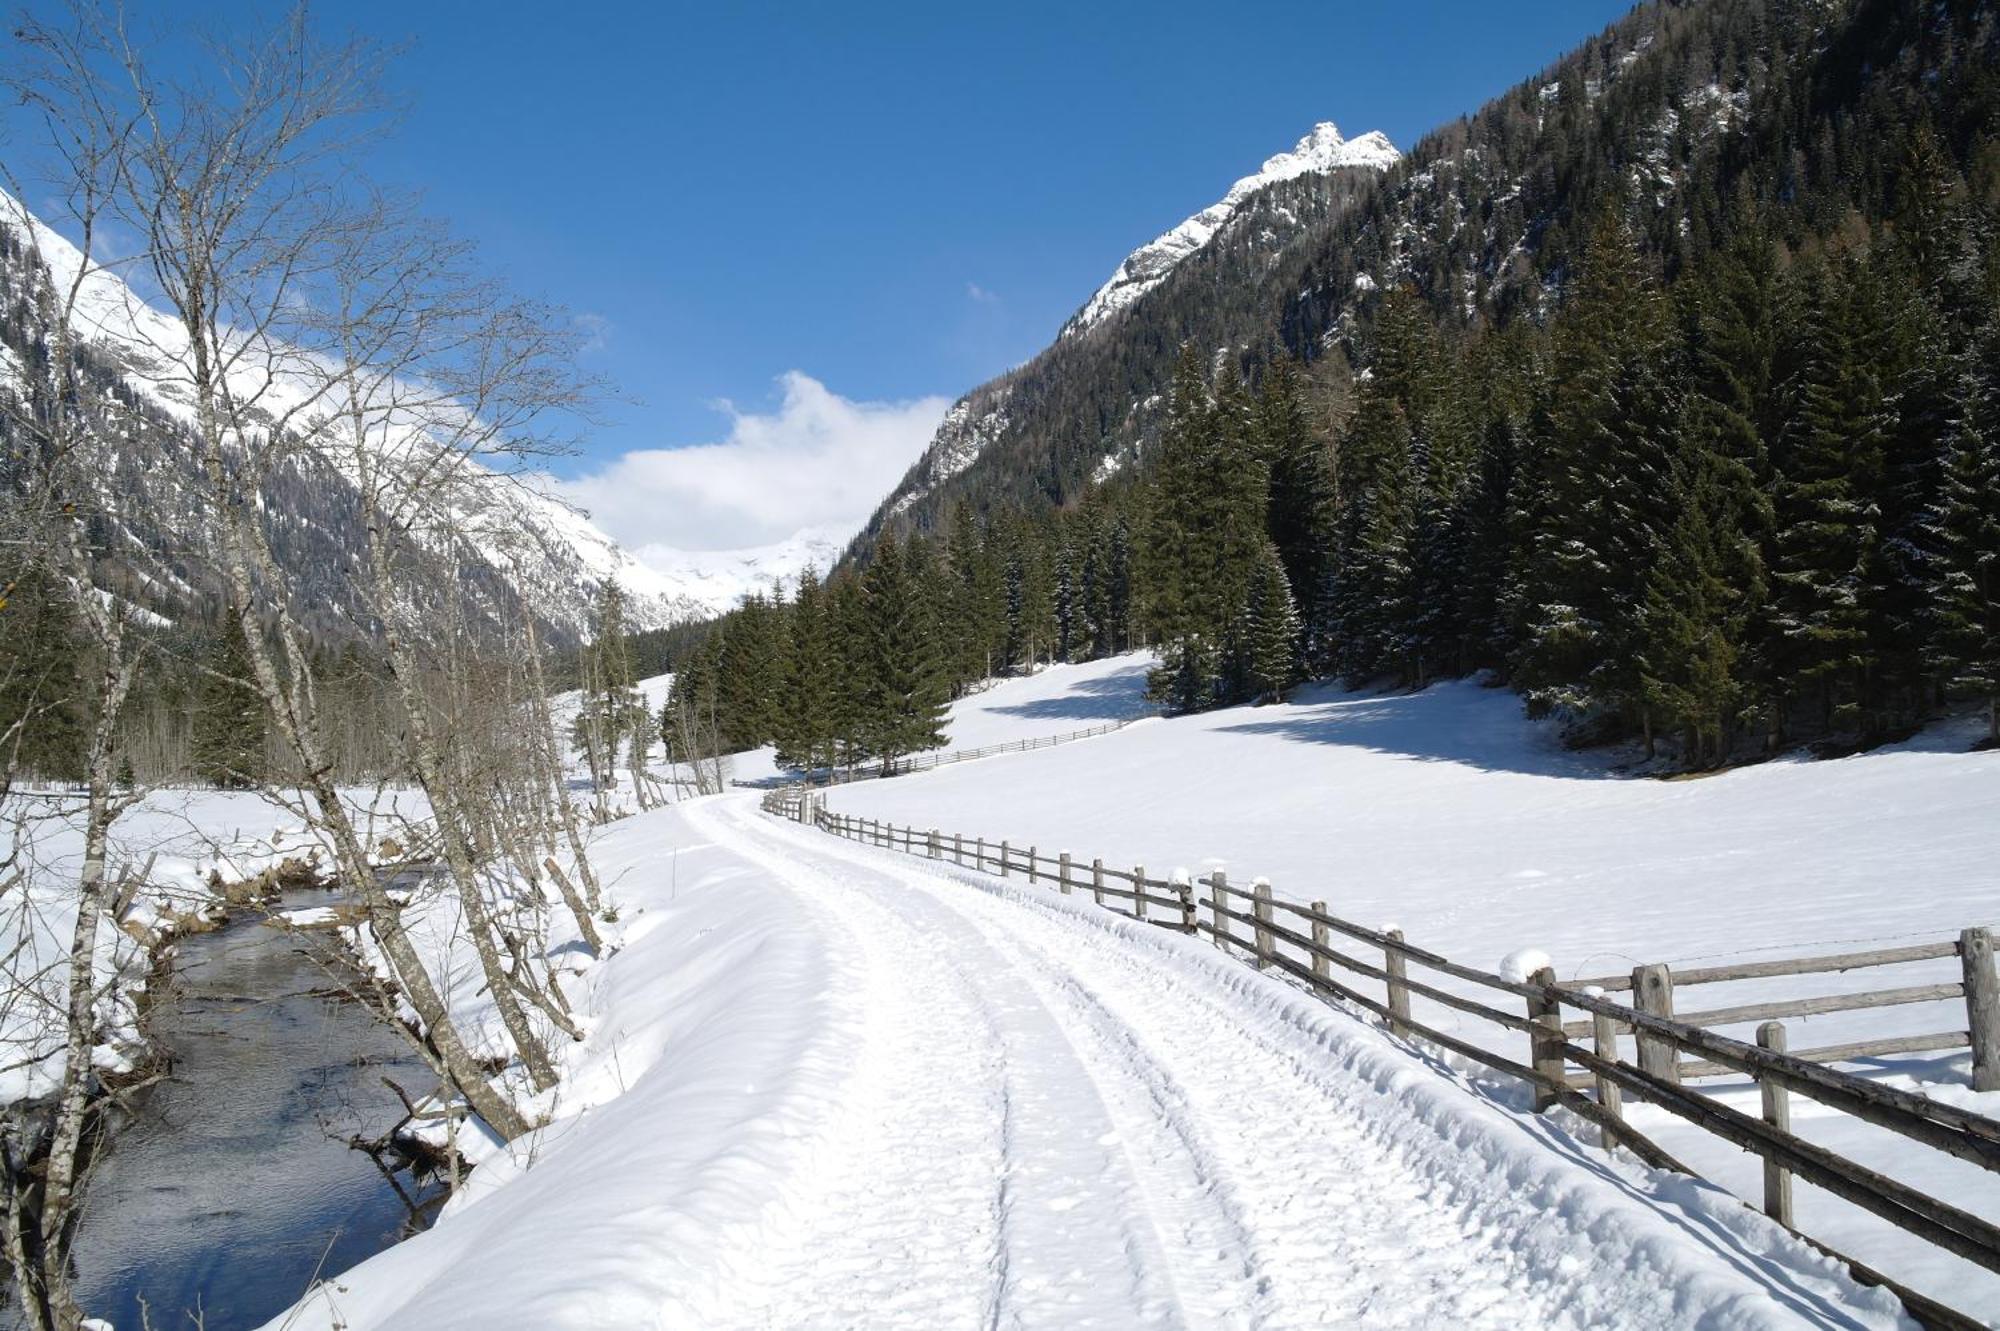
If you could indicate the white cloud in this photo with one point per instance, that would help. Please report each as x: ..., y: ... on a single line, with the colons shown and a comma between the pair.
x: 979, y: 295
x: 818, y: 460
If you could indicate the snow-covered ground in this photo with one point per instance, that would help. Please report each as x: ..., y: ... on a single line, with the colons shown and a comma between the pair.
x: 829, y: 1086
x: 1448, y: 814
x: 1052, y: 701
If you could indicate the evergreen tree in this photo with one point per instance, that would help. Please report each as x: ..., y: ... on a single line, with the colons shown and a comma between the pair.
x: 1968, y: 593
x: 1204, y: 539
x: 805, y: 739
x: 1603, y: 460
x: 1831, y: 472
x: 904, y: 695
x: 1273, y: 628
x: 229, y: 722
x: 42, y: 718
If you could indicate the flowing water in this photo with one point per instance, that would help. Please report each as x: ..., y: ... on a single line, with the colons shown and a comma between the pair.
x: 232, y: 1185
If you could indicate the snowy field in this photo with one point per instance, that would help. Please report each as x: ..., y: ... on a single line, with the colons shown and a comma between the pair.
x: 829, y: 1086
x: 1446, y: 813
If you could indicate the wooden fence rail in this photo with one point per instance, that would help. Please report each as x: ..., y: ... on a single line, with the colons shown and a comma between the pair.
x: 924, y: 762
x: 1300, y: 941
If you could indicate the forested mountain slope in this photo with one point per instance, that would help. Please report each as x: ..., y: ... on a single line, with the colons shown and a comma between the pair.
x: 1666, y: 387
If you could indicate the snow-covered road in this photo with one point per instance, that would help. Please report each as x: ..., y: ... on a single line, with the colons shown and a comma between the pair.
x: 828, y: 1086
x: 1061, y: 1118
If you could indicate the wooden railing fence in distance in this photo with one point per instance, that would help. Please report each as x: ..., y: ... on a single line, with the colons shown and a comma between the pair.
x: 924, y: 762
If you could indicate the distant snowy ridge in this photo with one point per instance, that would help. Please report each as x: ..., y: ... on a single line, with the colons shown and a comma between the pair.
x: 1320, y: 151
x: 717, y: 580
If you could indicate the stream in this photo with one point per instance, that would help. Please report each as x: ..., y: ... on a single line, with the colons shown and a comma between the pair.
x: 232, y: 1187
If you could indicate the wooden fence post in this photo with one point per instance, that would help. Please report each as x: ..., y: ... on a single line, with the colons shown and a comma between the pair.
x: 1097, y: 881
x: 1604, y: 1039
x: 935, y: 852
x: 1218, y: 901
x: 1003, y: 859
x: 1545, y: 1042
x: 1399, y: 995
x: 1653, y: 994
x: 1062, y: 872
x: 1260, y: 891
x: 1139, y: 891
x: 1982, y: 1006
x: 1032, y: 877
x: 1778, y: 1113
x: 1322, y: 937
x: 1185, y: 886
x: 958, y: 849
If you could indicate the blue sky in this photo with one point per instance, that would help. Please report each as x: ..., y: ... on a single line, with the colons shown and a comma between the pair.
x: 898, y: 200
x: 810, y: 226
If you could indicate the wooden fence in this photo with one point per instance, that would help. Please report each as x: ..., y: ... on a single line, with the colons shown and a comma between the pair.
x: 1380, y: 972
x: 924, y: 762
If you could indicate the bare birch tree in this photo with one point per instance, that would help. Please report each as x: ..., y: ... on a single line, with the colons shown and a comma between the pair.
x: 62, y: 435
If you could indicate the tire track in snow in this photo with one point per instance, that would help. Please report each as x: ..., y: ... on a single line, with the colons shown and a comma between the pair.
x: 899, y: 1223
x: 960, y: 1047
x: 1360, y: 1192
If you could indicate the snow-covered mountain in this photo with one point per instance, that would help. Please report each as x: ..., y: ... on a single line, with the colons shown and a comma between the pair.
x: 523, y: 538
x: 1082, y: 408
x: 716, y: 580
x: 1320, y: 151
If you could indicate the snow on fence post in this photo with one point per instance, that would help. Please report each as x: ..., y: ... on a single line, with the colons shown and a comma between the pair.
x: 1139, y: 891
x: 1184, y: 888
x: 1604, y: 1039
x: 1545, y: 1042
x: 1322, y: 937
x: 1982, y: 1007
x: 1218, y: 902
x: 1778, y: 1113
x: 1062, y: 872
x: 1260, y: 891
x: 1653, y: 994
x: 1097, y: 881
x: 935, y: 853
x: 1399, y: 994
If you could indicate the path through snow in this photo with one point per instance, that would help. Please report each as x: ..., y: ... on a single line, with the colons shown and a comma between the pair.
x: 1065, y: 1120
x: 829, y: 1086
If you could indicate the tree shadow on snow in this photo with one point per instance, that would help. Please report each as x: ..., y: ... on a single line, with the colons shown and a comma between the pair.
x: 1112, y: 697
x: 1449, y: 723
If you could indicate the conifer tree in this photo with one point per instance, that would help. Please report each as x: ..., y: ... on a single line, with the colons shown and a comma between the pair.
x: 1273, y: 628
x: 809, y: 706
x: 1603, y: 462
x: 40, y: 662
x: 904, y: 697
x: 227, y: 741
x: 1830, y: 475
x: 1967, y: 594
